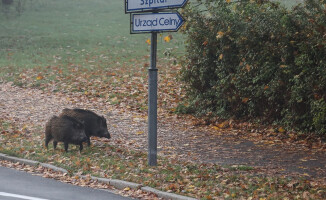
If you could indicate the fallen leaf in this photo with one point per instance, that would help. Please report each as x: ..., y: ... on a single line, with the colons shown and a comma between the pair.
x: 167, y: 38
x: 140, y: 132
x: 281, y: 130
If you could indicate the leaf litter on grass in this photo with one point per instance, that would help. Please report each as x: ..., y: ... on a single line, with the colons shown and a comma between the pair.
x: 205, y: 181
x: 123, y: 84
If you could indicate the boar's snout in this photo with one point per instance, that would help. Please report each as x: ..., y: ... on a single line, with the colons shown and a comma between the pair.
x: 104, y: 133
x: 84, y: 138
x: 107, y: 135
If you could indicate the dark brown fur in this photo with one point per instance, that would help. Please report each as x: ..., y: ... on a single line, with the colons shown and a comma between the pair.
x: 65, y: 129
x: 95, y: 125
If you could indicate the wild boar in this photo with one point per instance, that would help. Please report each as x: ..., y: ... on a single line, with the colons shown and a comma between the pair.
x: 95, y: 125
x: 65, y: 129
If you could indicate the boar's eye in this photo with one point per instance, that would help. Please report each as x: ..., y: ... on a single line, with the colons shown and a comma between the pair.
x: 104, y: 120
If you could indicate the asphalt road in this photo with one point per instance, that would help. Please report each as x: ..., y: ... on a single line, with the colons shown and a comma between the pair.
x: 17, y: 185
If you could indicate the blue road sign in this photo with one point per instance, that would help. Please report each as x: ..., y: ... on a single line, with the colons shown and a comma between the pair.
x: 156, y: 22
x: 150, y: 5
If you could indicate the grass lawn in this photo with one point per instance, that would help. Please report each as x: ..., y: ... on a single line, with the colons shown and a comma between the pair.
x: 79, y: 32
x: 291, y: 3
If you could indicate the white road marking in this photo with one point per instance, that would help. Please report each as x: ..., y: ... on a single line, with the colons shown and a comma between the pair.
x: 19, y: 196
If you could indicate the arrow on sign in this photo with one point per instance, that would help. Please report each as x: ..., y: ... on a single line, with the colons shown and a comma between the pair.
x: 156, y: 22
x: 148, y: 5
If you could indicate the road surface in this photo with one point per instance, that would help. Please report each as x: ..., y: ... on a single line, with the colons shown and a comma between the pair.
x: 18, y: 185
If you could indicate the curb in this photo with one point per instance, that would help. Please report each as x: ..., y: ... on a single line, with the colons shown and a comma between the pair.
x: 119, y: 184
x: 166, y: 195
x: 20, y: 160
x: 54, y: 168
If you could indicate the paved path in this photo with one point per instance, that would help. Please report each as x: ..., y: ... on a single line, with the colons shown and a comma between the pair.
x: 15, y: 185
x: 177, y: 138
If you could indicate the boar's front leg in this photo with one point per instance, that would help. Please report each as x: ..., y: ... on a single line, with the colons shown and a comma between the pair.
x: 88, y: 141
x: 81, y: 147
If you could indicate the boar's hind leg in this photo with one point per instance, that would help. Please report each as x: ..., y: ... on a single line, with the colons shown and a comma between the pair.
x: 55, y: 144
x: 66, y: 146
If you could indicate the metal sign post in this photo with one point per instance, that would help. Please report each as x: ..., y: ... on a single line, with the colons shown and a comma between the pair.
x: 152, y: 104
x: 153, y: 23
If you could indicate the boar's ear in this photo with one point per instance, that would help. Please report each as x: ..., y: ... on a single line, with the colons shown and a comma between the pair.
x: 81, y: 124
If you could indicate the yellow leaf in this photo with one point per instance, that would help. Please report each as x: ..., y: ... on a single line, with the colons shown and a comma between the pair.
x: 220, y: 57
x: 167, y: 38
x: 281, y: 130
x: 126, y: 189
x: 25, y: 127
x: 228, y: 1
x: 148, y: 41
x: 39, y: 77
x: 219, y: 35
x: 139, y: 132
x: 223, y: 124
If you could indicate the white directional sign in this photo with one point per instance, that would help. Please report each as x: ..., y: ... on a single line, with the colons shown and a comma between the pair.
x: 156, y: 22
x: 149, y: 5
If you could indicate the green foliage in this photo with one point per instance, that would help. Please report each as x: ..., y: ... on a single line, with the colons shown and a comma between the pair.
x: 256, y: 60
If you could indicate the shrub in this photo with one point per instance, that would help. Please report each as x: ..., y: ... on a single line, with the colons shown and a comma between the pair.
x: 257, y: 61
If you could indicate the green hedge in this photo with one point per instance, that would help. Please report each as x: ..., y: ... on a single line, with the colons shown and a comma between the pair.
x: 250, y: 60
